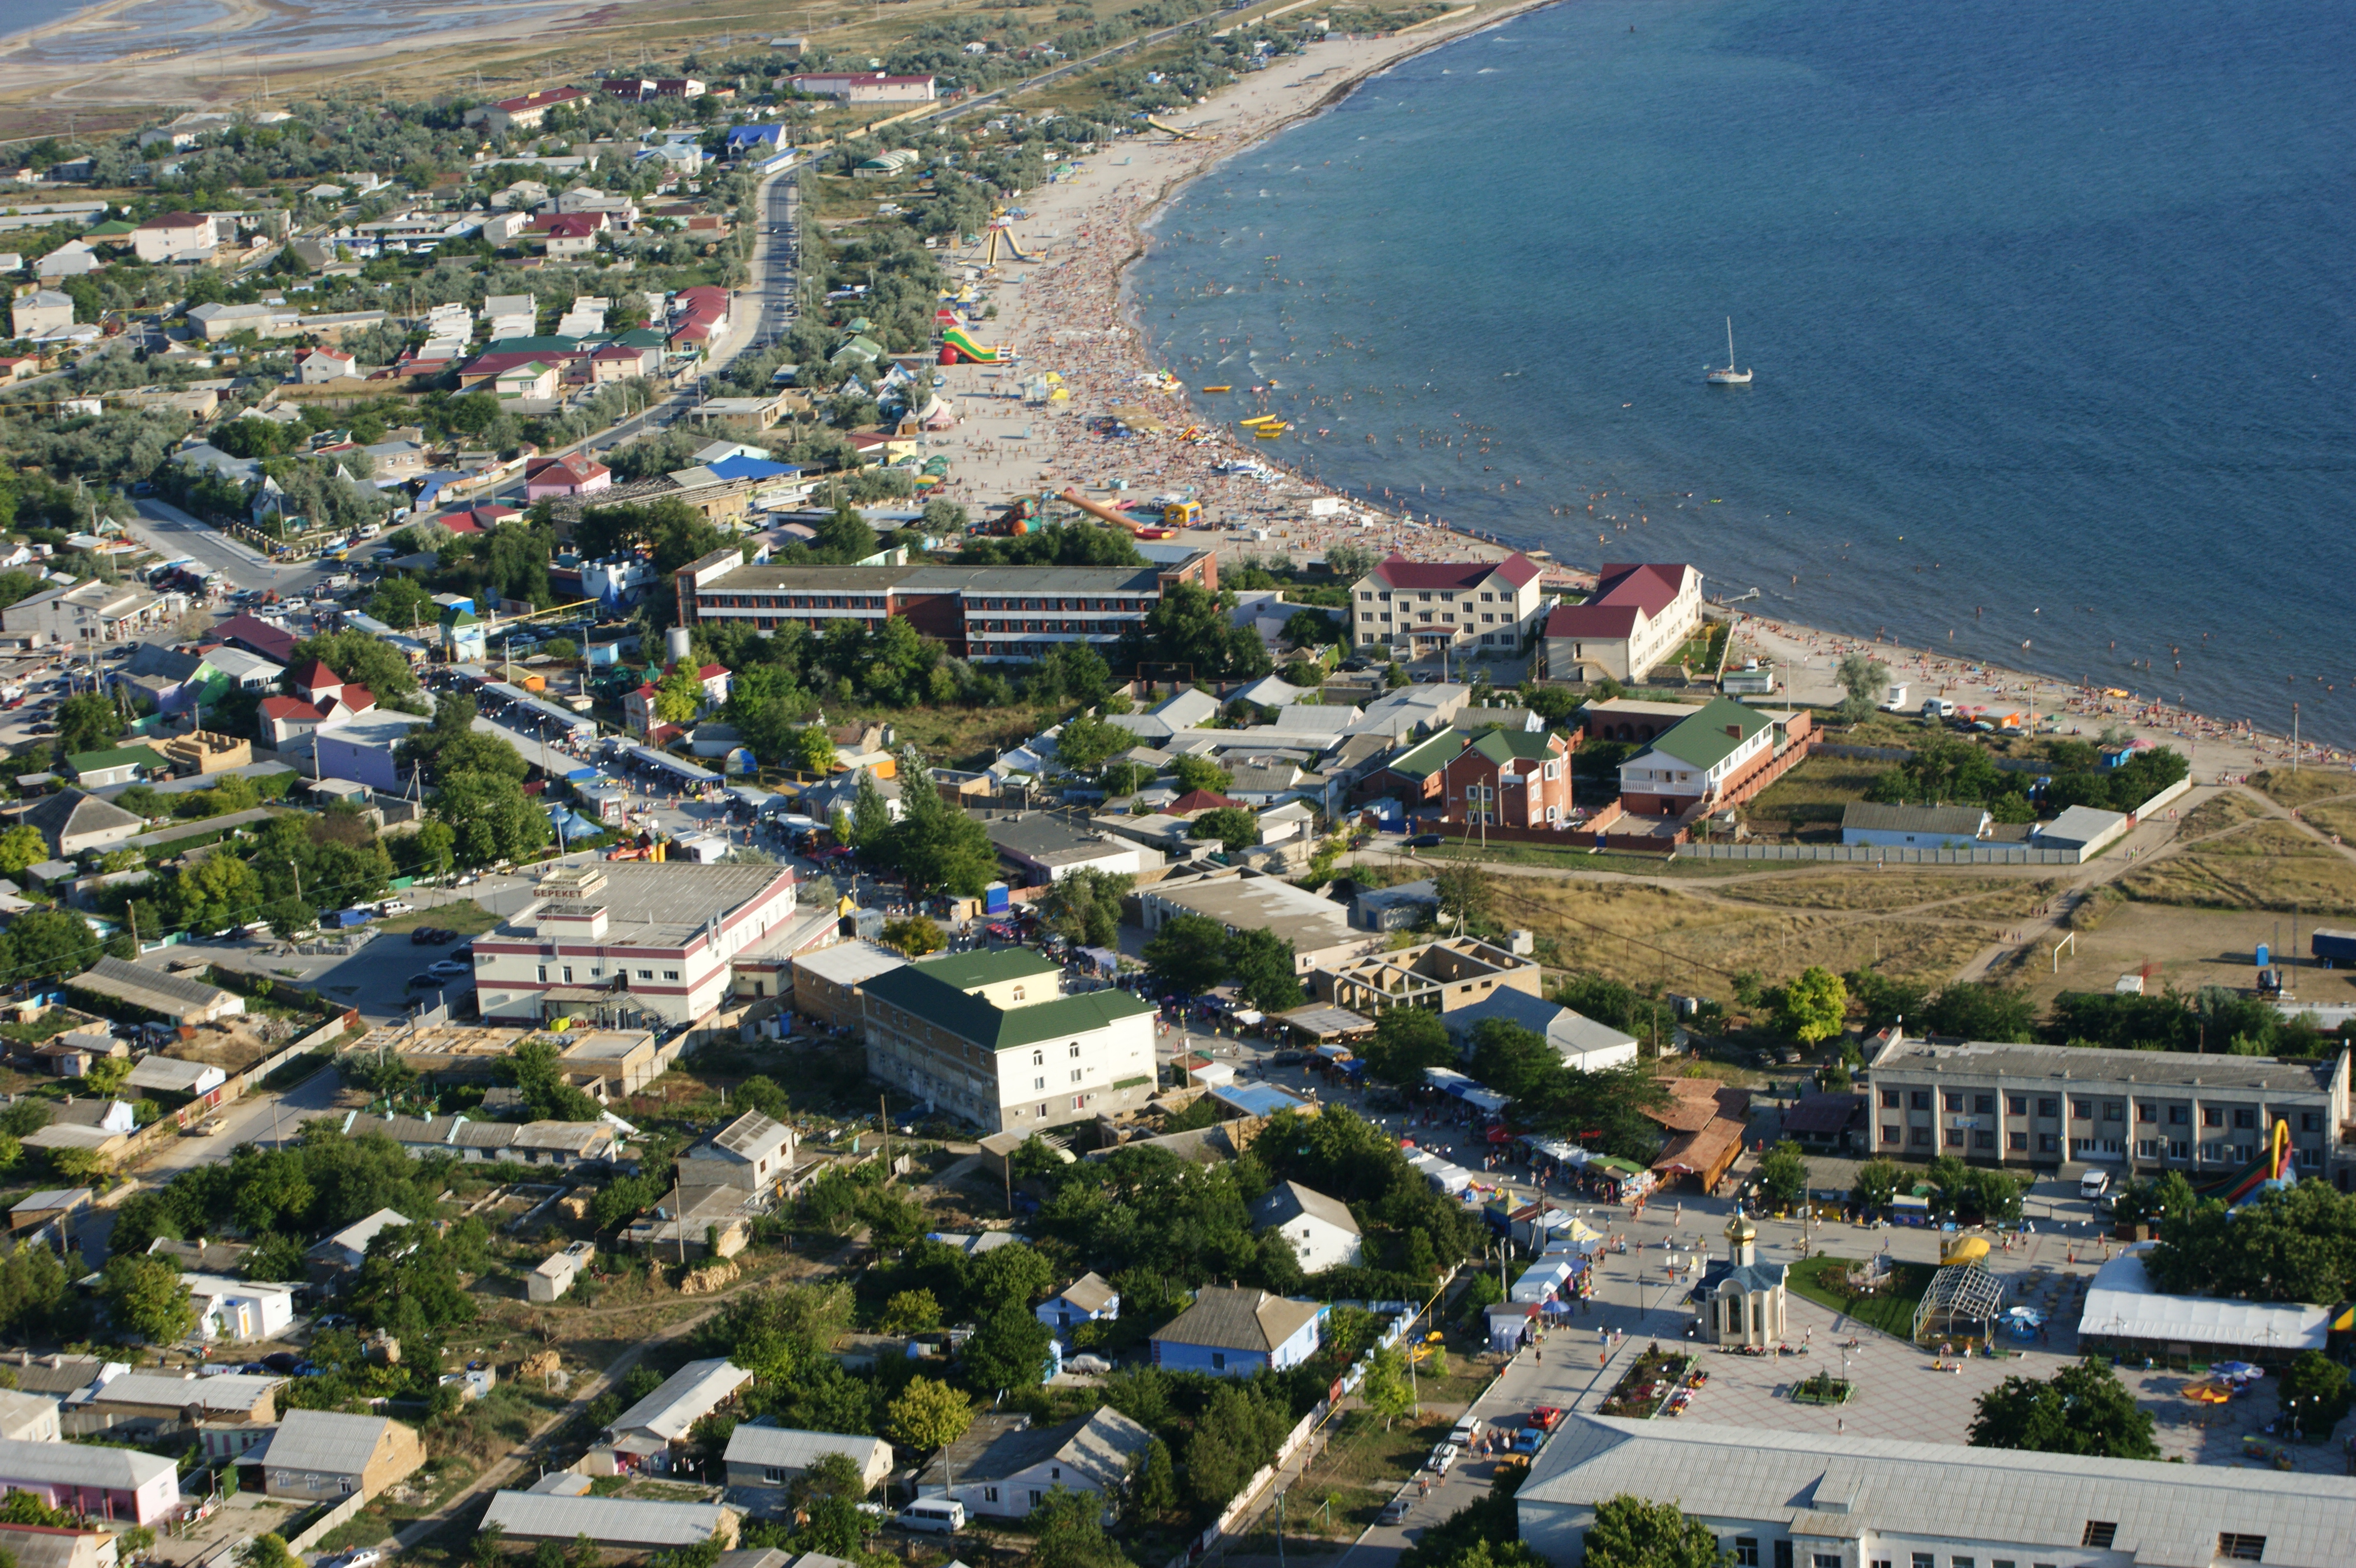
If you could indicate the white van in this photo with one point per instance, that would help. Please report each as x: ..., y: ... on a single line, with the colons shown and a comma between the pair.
x: 1938, y: 708
x: 2094, y: 1184
x: 933, y: 1516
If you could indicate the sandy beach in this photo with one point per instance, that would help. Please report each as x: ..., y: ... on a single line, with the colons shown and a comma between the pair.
x: 1069, y: 313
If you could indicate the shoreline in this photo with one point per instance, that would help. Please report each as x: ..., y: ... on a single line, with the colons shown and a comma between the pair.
x: 1048, y: 311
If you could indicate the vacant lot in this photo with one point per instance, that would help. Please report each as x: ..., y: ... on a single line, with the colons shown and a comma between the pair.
x: 1807, y: 802
x: 2266, y: 864
x: 1980, y: 895
x: 2183, y: 947
x: 2307, y: 784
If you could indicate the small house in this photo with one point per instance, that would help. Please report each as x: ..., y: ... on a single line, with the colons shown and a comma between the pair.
x: 326, y: 1456
x: 761, y: 1455
x: 1236, y: 1332
x: 1321, y: 1229
x: 1088, y: 1299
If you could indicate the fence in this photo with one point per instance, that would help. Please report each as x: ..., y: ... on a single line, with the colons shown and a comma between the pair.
x: 319, y: 1528
x: 2008, y: 855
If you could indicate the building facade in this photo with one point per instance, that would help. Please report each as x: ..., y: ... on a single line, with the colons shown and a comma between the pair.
x: 1639, y: 615
x: 1434, y: 607
x: 986, y: 612
x: 2147, y: 1110
x: 1700, y: 759
x: 1233, y: 1332
x: 990, y: 1037
x: 1516, y: 778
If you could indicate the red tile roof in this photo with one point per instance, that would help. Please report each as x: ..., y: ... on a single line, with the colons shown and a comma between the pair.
x: 1398, y: 572
x: 175, y: 220
x: 546, y: 99
x: 1196, y: 800
x: 316, y: 674
x: 360, y: 699
x: 270, y: 641
x: 290, y: 708
x: 569, y: 225
x: 1622, y: 591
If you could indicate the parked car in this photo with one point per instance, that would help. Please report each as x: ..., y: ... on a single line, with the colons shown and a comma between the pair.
x: 1426, y: 841
x: 1467, y: 1430
x: 1545, y: 1418
x: 1395, y: 1509
x: 450, y: 969
x: 1443, y: 1456
x: 1287, y: 1059
x: 424, y: 982
x: 1086, y: 1363
x: 429, y: 936
x: 396, y: 907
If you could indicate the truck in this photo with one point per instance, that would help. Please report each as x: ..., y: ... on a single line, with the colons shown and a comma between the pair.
x: 2333, y: 947
x: 1896, y: 701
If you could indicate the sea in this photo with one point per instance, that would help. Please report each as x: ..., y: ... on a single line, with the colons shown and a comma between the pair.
x: 2050, y: 311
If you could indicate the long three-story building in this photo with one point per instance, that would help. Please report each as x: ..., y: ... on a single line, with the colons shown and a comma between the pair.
x: 983, y: 613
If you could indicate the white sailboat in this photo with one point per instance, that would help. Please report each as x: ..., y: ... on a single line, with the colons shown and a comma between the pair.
x: 1729, y: 376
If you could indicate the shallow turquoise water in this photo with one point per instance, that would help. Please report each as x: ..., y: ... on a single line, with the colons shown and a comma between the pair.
x: 2049, y: 309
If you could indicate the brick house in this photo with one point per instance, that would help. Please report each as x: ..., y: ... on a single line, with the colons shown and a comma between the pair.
x: 1516, y: 778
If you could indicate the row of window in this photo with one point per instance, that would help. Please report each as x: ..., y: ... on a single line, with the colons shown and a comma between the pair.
x: 1445, y: 596
x: 2086, y: 1109
x: 793, y: 601
x: 598, y: 972
x: 1017, y: 627
x: 2100, y: 1535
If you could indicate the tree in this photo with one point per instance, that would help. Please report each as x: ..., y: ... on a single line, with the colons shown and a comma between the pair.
x: 1981, y: 1010
x: 450, y: 744
x: 1876, y: 1187
x: 1069, y: 1531
x: 42, y: 942
x: 679, y: 696
x: 935, y: 844
x: 2080, y: 1410
x: 1083, y: 907
x: 1784, y: 1175
x: 145, y: 1296
x: 2295, y: 1243
x: 916, y: 936
x: 361, y: 660
x: 1351, y: 562
x: 2313, y: 1391
x: 871, y: 813
x: 289, y: 917
x: 1310, y: 627
x: 1408, y: 1040
x: 1008, y: 1350
x: 490, y: 818
x: 1200, y: 773
x: 929, y: 1415
x: 1265, y: 971
x: 1188, y: 954
x: 1085, y: 743
x: 86, y: 722
x: 1813, y: 1006
x: 1154, y: 1491
x: 1234, y: 827
x: 269, y: 1550
x: 811, y: 750
x: 21, y: 846
x: 1386, y: 1390
x: 1864, y: 678
x: 1630, y: 1532
x: 911, y: 1312
x: 1465, y: 891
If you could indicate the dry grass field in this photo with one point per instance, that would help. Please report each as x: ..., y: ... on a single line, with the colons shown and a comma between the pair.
x: 2264, y: 864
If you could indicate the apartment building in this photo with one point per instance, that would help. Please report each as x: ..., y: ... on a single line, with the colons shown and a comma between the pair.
x: 1639, y: 615
x: 986, y: 612
x: 2148, y: 1110
x: 991, y: 1036
x: 523, y: 114
x: 1446, y: 606
x: 661, y: 936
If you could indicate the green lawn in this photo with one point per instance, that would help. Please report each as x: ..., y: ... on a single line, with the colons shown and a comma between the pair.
x: 466, y: 918
x: 1892, y: 1310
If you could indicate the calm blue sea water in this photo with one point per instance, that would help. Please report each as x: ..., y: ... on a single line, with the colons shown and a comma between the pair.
x: 2051, y: 308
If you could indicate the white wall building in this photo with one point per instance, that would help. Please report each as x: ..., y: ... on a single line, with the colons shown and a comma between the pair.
x: 660, y: 935
x: 1487, y: 606
x: 1321, y: 1229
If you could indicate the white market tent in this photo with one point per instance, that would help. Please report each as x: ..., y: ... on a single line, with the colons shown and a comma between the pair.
x: 2123, y: 1305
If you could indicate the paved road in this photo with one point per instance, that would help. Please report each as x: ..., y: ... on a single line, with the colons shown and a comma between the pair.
x: 168, y: 529
x: 271, y: 1119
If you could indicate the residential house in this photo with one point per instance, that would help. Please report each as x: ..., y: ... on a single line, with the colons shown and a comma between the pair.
x: 523, y: 114
x: 1632, y: 719
x: 1004, y: 1467
x: 533, y: 378
x: 569, y: 233
x: 1639, y: 615
x: 116, y: 765
x: 365, y: 749
x: 827, y: 983
x: 617, y: 1524
x: 117, y: 1484
x: 347, y: 1248
x: 28, y: 1418
x: 990, y: 1037
x: 1038, y: 850
x: 54, y: 1206
x: 1580, y: 1041
x: 326, y: 1456
x: 90, y: 613
x: 1320, y: 928
x: 1914, y: 827
x: 640, y: 88
x: 575, y: 476
x: 1702, y: 760
x: 609, y: 1063
x: 647, y: 1432
x: 155, y: 1403
x: 1237, y: 1332
x: 1482, y: 606
x: 175, y: 998
x: 868, y: 87
x: 55, y: 1546
x: 752, y: 1153
x: 761, y: 1455
x: 1088, y: 1299
x: 40, y: 313
x: 170, y: 1075
x: 1321, y: 1229
x: 323, y: 365
x: 554, y: 1275
x: 175, y: 236
x: 1518, y: 779
x: 1415, y: 775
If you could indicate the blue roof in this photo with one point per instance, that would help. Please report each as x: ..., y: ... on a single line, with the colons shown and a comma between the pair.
x: 430, y: 486
x: 1256, y: 1098
x: 745, y: 136
x: 743, y: 467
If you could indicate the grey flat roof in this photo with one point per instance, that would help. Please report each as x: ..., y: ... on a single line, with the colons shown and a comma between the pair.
x: 686, y: 1397
x: 2095, y: 1064
x: 2170, y: 1515
x: 653, y: 905
x: 148, y: 988
x: 847, y: 963
x: 78, y: 1465
x: 790, y: 1450
x: 231, y: 1390
x: 621, y: 1522
x: 1265, y: 903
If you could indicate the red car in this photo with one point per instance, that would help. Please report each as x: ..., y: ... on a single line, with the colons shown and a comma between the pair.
x: 1545, y: 1418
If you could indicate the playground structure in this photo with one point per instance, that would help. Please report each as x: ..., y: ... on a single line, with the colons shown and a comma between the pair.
x: 1000, y: 235
x: 1173, y: 131
x: 1960, y: 1249
x: 1174, y: 515
x: 1963, y: 1300
x: 958, y: 344
x: 2272, y: 1168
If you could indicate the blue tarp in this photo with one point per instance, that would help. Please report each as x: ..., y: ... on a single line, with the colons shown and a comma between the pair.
x: 743, y: 467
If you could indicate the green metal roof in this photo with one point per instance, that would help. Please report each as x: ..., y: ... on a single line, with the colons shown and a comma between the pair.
x: 967, y: 969
x: 1703, y: 741
x: 117, y: 757
x: 1513, y: 746
x: 1427, y: 757
x: 914, y: 990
